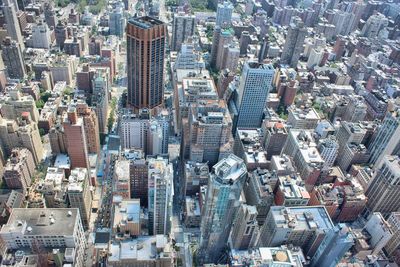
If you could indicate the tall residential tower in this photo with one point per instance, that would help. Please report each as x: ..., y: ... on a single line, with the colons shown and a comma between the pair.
x: 146, y: 38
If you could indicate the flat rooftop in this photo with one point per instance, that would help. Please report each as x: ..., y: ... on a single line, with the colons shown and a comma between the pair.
x: 302, y: 218
x: 39, y: 221
x: 141, y: 249
x: 145, y: 22
x: 127, y: 211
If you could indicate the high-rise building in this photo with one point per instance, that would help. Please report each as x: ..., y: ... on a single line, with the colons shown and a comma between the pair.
x: 61, y: 33
x: 230, y: 57
x: 349, y: 132
x: 160, y: 195
x: 79, y: 193
x: 21, y: 133
x: 383, y: 189
x: 57, y: 139
x: 13, y: 104
x: 328, y: 149
x: 335, y: 245
x: 41, y: 35
x: 138, y: 175
x: 252, y: 93
x: 19, y: 169
x: 387, y: 140
x: 191, y: 91
x: 221, y: 38
x: 353, y: 154
x: 12, y: 58
x: 90, y: 124
x: 259, y: 191
x: 394, y: 242
x: 58, y: 228
x: 356, y: 110
x: 301, y: 146
x: 214, y: 47
x: 377, y: 105
x: 300, y: 226
x: 221, y: 203
x: 209, y: 133
x: 379, y: 230
x: 245, y: 228
x: 10, y: 9
x: 146, y: 39
x: 141, y: 131
x: 116, y: 18
x: 374, y: 25
x: 224, y: 14
x: 275, y: 134
x: 76, y: 138
x: 182, y: 28
x: 294, y: 42
x: 101, y: 85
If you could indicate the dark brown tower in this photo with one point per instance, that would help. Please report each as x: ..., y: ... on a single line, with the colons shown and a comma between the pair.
x: 146, y: 38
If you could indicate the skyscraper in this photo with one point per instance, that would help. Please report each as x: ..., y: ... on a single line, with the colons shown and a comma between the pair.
x: 182, y: 28
x: 76, y: 139
x: 387, y: 140
x: 21, y: 133
x: 146, y: 52
x: 209, y: 136
x: 221, y: 204
x: 245, y: 229
x: 294, y: 42
x: 79, y: 195
x: 160, y: 194
x: 224, y: 14
x: 13, y: 60
x: 383, y: 190
x: 41, y: 35
x: 12, y: 24
x: 336, y: 244
x: 116, y: 18
x: 252, y: 93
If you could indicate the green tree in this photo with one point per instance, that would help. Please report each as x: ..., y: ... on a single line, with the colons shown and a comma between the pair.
x: 45, y: 96
x: 40, y: 104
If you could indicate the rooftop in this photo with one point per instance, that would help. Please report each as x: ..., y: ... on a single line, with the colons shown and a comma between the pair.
x: 292, y: 188
x: 302, y: 218
x: 145, y: 22
x: 77, y: 179
x: 41, y: 221
x: 229, y: 169
x: 127, y: 211
x: 264, y: 256
x: 145, y: 248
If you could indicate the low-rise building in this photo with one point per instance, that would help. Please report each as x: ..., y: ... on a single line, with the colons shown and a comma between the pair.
x: 49, y: 228
x: 303, y: 117
x: 291, y: 192
x: 192, y: 212
x: 268, y: 256
x: 127, y: 219
x: 144, y: 251
x: 248, y: 146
